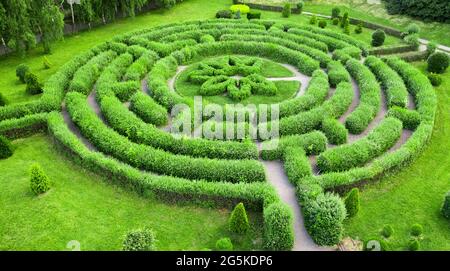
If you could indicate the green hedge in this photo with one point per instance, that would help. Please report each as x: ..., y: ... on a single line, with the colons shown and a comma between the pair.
x: 148, y: 110
x: 335, y: 131
x: 337, y: 73
x: 409, y: 118
x: 278, y: 227
x: 296, y: 164
x: 25, y: 126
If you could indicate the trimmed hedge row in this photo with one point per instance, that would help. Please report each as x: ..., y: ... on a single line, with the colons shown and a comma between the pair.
x: 335, y: 131
x: 25, y: 126
x: 296, y: 164
x: 278, y: 227
x: 394, y: 49
x: 141, y: 66
x: 149, y: 158
x: 370, y: 98
x: 409, y: 118
x: 337, y: 73
x: 396, y: 93
x: 344, y: 54
x: 362, y: 151
x: 339, y: 103
x: 332, y: 43
x: 148, y: 110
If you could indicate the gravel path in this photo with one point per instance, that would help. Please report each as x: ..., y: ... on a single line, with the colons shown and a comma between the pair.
x: 74, y: 129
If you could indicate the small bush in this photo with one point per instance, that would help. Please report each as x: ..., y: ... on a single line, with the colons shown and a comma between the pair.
x: 39, y: 181
x: 335, y: 12
x: 226, y: 14
x: 413, y: 40
x: 5, y: 148
x: 313, y: 20
x: 435, y: 79
x: 344, y: 19
x: 347, y: 27
x: 322, y: 23
x: 238, y: 222
x: 378, y: 38
x: 431, y: 48
x: 416, y: 230
x: 438, y: 62
x: 33, y: 85
x: 224, y: 244
x: 254, y: 15
x: 359, y: 28
x: 2, y: 100
x: 352, y: 203
x: 207, y: 39
x: 47, y: 63
x: 387, y: 231
x: 244, y: 9
x: 413, y: 245
x: 21, y: 71
x: 300, y: 6
x: 278, y: 227
x: 286, y: 10
x: 335, y: 21
x: 139, y: 240
x: 412, y: 29
x: 376, y: 244
x: 445, y: 210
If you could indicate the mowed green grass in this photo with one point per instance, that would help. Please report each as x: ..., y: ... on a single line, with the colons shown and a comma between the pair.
x: 416, y: 193
x: 82, y: 206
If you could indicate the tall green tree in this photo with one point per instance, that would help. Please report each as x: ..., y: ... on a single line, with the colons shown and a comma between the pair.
x: 18, y: 34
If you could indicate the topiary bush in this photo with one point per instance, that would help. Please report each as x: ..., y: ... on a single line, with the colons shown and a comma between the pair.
x: 224, y: 244
x: 435, y: 79
x: 438, y: 62
x: 278, y: 227
x: 335, y: 12
x: 322, y: 23
x: 244, y: 9
x: 445, y: 210
x: 324, y: 217
x: 300, y: 6
x: 5, y: 148
x: 139, y: 240
x: 335, y: 21
x: 387, y: 231
x: 378, y: 38
x: 416, y: 230
x: 21, y: 71
x: 226, y: 14
x: 238, y: 221
x: 2, y: 100
x: 254, y: 14
x: 39, y: 181
x: 431, y: 48
x: 33, y: 85
x: 374, y: 243
x: 412, y: 29
x: 347, y: 27
x: 313, y: 19
x: 286, y: 10
x: 359, y: 28
x: 352, y: 202
x: 413, y: 40
x: 413, y: 245
x: 344, y: 19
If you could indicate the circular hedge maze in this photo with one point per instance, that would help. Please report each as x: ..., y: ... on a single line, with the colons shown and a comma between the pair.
x: 344, y: 117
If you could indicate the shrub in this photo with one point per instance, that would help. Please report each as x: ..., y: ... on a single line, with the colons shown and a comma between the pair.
x: 2, y: 100
x: 286, y: 10
x: 224, y: 14
x: 387, y: 231
x: 47, y: 63
x: 359, y: 28
x: 244, y: 9
x: 435, y: 79
x: 412, y: 29
x: 207, y: 38
x: 352, y: 203
x: 416, y: 230
x: 254, y: 14
x: 445, y: 210
x: 33, y: 85
x: 337, y: 73
x: 278, y: 227
x: 237, y: 15
x: 438, y: 62
x: 139, y: 240
x: 39, y: 181
x: 322, y: 23
x: 148, y: 110
x: 335, y: 12
x: 313, y: 19
x: 238, y: 221
x: 347, y: 27
x: 375, y: 243
x: 224, y: 244
x: 413, y: 40
x: 300, y: 6
x: 335, y: 21
x: 5, y: 148
x: 324, y: 218
x: 413, y: 245
x: 378, y: 38
x: 344, y: 19
x: 409, y: 118
x: 335, y: 131
x: 21, y: 71
x: 431, y: 48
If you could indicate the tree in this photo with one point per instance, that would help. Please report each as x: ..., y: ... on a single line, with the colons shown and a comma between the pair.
x: 438, y: 62
x: 344, y: 20
x: 238, y: 222
x: 352, y: 202
x: 335, y: 12
x: 39, y: 181
x: 286, y: 10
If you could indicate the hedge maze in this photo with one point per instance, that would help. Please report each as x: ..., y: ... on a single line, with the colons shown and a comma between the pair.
x: 107, y: 109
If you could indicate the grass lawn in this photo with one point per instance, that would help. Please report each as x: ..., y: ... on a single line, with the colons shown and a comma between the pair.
x: 81, y: 207
x: 415, y: 194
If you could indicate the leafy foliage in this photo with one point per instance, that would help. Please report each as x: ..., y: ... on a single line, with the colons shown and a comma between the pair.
x: 278, y: 227
x: 286, y: 10
x: 238, y: 222
x: 352, y: 202
x: 436, y: 10
x: 39, y: 182
x: 438, y: 62
x: 224, y: 244
x: 416, y: 230
x: 5, y: 148
x: 387, y: 231
x: 378, y: 37
x: 21, y: 71
x: 139, y: 240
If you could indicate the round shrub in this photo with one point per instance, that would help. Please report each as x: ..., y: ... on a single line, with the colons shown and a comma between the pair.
x: 278, y: 227
x: 322, y: 23
x: 359, y: 28
x: 416, y: 230
x: 445, y: 210
x: 5, y: 148
x: 335, y: 21
x: 413, y: 245
x: 431, y: 48
x: 238, y: 222
x: 224, y: 14
x: 378, y: 37
x: 207, y: 38
x: 33, y: 85
x: 139, y: 240
x: 324, y: 218
x: 2, y: 100
x: 286, y: 10
x: 335, y: 12
x: 438, y: 62
x: 244, y: 9
x: 435, y: 79
x: 39, y: 181
x: 352, y: 202
x: 313, y: 19
x: 253, y: 14
x: 224, y: 244
x: 21, y: 71
x: 413, y: 40
x: 387, y: 231
x: 412, y: 29
x: 300, y: 6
